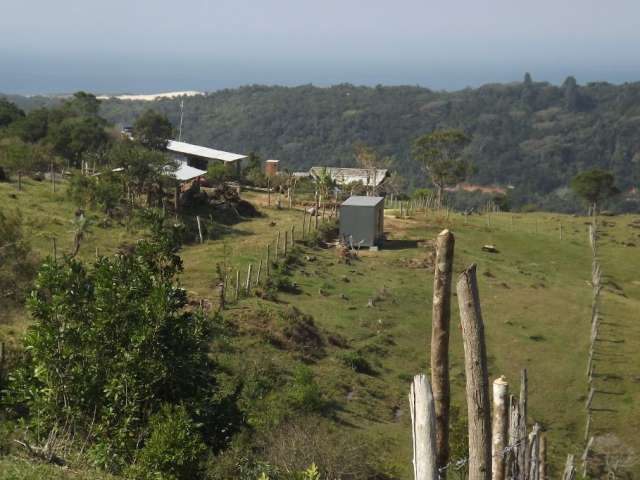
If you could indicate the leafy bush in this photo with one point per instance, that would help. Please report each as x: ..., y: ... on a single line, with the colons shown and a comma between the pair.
x: 174, y: 449
x: 17, y: 262
x: 111, y: 344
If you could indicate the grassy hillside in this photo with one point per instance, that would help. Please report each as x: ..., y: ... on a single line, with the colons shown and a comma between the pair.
x: 535, y: 299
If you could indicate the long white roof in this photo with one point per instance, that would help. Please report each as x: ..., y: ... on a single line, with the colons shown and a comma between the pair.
x: 345, y: 176
x: 204, y: 152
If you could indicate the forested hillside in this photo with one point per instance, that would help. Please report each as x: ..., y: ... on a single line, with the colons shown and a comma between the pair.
x: 531, y: 135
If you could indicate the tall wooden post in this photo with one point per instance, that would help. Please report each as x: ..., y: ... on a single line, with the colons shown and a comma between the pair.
x: 248, y: 283
x: 269, y: 191
x: 237, y: 285
x: 423, y: 429
x: 277, y: 252
x: 199, y: 229
x: 499, y: 428
x: 304, y: 223
x: 513, y: 471
x: 477, y: 385
x: 523, y: 457
x: 440, y: 325
x: 268, y: 266
x: 259, y: 272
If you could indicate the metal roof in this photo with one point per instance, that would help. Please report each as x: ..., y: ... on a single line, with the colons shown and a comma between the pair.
x: 345, y: 176
x: 184, y: 172
x: 203, y: 152
x: 358, y: 201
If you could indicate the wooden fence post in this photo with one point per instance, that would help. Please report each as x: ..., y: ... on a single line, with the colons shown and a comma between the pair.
x: 248, y: 283
x: 569, y: 469
x: 258, y: 273
x: 513, y: 472
x: 477, y: 384
x: 268, y: 267
x: 499, y: 428
x: 440, y: 326
x: 237, y: 285
x: 542, y: 473
x: 523, y: 461
x: 293, y: 231
x: 561, y: 231
x: 199, y: 228
x: 534, y: 456
x: 277, y: 252
x: 423, y: 429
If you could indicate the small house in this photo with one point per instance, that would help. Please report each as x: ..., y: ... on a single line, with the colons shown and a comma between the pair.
x: 200, y: 157
x: 362, y: 221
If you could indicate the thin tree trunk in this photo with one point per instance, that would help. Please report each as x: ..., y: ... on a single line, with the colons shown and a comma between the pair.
x: 441, y: 317
x: 477, y: 382
x: 499, y: 428
x: 423, y: 429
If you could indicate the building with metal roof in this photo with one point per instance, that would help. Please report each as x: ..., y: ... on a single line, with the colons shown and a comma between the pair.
x: 200, y: 157
x: 370, y: 177
x: 362, y: 221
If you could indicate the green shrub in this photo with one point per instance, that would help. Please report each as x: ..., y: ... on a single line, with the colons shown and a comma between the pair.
x: 304, y: 394
x: 174, y: 449
x: 356, y: 361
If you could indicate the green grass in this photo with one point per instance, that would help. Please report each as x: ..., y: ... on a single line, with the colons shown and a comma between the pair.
x: 535, y: 301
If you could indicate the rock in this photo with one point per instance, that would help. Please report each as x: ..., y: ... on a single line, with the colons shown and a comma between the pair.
x: 489, y: 248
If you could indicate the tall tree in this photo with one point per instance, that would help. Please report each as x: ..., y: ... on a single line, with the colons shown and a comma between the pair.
x: 153, y: 130
x: 440, y: 154
x: 9, y: 112
x: 594, y: 186
x: 368, y: 159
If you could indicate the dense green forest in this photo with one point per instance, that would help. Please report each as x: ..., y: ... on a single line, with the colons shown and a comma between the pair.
x: 532, y: 136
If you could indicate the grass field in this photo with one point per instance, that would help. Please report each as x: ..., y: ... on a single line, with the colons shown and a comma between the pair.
x: 536, y: 303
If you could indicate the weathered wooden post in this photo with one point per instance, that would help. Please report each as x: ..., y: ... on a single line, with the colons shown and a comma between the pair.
x: 248, y: 283
x: 569, y: 469
x: 534, y: 456
x: 277, y: 252
x: 268, y: 260
x: 237, y: 285
x: 513, y: 472
x: 542, y: 473
x: 259, y: 272
x: 499, y: 428
x: 561, y: 231
x: 477, y: 384
x: 523, y: 460
x: 440, y: 325
x: 293, y: 231
x: 199, y: 228
x: 423, y: 422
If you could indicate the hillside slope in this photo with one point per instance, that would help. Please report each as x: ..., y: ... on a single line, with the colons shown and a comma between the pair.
x: 535, y: 299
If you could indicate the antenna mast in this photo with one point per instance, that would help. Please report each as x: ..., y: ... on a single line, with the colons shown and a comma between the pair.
x: 181, y: 114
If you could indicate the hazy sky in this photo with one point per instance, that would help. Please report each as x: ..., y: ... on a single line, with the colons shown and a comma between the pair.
x: 49, y: 46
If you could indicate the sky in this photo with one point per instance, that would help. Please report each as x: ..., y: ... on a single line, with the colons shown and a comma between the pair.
x: 150, y: 46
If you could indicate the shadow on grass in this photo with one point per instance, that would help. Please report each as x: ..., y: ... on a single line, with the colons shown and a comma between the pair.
x: 399, y: 244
